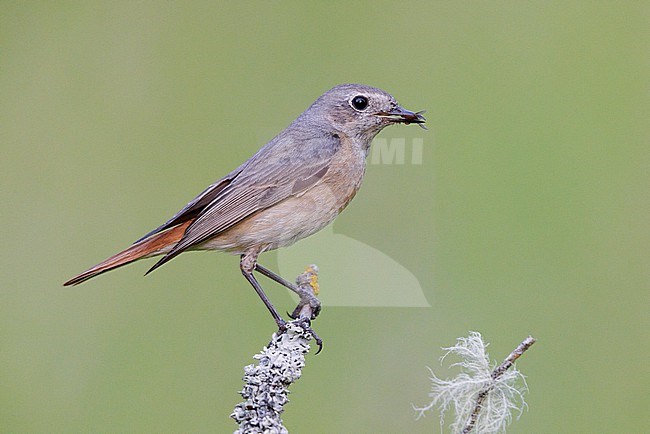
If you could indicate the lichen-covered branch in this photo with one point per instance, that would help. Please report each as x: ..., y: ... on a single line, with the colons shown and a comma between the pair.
x: 278, y: 365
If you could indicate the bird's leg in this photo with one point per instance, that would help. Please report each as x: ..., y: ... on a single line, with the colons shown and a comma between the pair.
x: 247, y: 265
x: 306, y: 297
x: 309, y: 306
x: 271, y: 275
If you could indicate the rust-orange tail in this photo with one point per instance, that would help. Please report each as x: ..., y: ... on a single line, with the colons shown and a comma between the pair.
x: 142, y: 249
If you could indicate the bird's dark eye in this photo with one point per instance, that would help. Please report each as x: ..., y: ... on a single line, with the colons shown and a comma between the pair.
x: 360, y: 102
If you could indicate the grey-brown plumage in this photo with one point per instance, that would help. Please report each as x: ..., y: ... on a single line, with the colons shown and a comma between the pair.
x: 292, y: 187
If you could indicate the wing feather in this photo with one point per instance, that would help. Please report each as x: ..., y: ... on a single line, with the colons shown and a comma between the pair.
x: 194, y: 208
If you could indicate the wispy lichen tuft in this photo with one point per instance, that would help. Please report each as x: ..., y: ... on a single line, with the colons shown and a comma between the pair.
x: 483, y: 395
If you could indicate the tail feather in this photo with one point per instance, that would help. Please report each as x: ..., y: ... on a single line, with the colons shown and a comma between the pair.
x: 151, y: 246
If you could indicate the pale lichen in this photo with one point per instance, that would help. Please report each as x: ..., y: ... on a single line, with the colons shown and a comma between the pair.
x: 483, y: 395
x: 267, y: 382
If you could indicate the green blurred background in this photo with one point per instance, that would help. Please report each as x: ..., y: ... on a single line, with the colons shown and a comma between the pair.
x: 528, y: 214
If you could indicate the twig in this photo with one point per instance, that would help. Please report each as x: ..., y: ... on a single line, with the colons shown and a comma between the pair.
x: 280, y: 364
x: 496, y: 373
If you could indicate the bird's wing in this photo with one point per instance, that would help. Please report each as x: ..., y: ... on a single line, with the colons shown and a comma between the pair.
x: 194, y: 208
x: 281, y: 169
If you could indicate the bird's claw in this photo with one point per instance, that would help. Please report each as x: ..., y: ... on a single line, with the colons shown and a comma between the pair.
x: 305, y: 323
x: 309, y: 304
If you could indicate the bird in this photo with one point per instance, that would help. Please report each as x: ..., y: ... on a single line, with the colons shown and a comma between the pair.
x: 292, y: 187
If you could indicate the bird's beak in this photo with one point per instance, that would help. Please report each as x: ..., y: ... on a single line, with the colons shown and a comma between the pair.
x: 403, y: 116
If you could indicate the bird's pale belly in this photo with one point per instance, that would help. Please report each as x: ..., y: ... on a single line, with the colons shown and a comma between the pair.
x: 285, y: 223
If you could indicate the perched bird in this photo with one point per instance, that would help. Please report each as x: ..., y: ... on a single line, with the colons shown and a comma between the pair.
x: 292, y: 187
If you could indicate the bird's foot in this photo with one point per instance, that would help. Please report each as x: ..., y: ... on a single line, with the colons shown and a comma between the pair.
x: 308, y: 307
x: 305, y: 323
x: 282, y: 325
